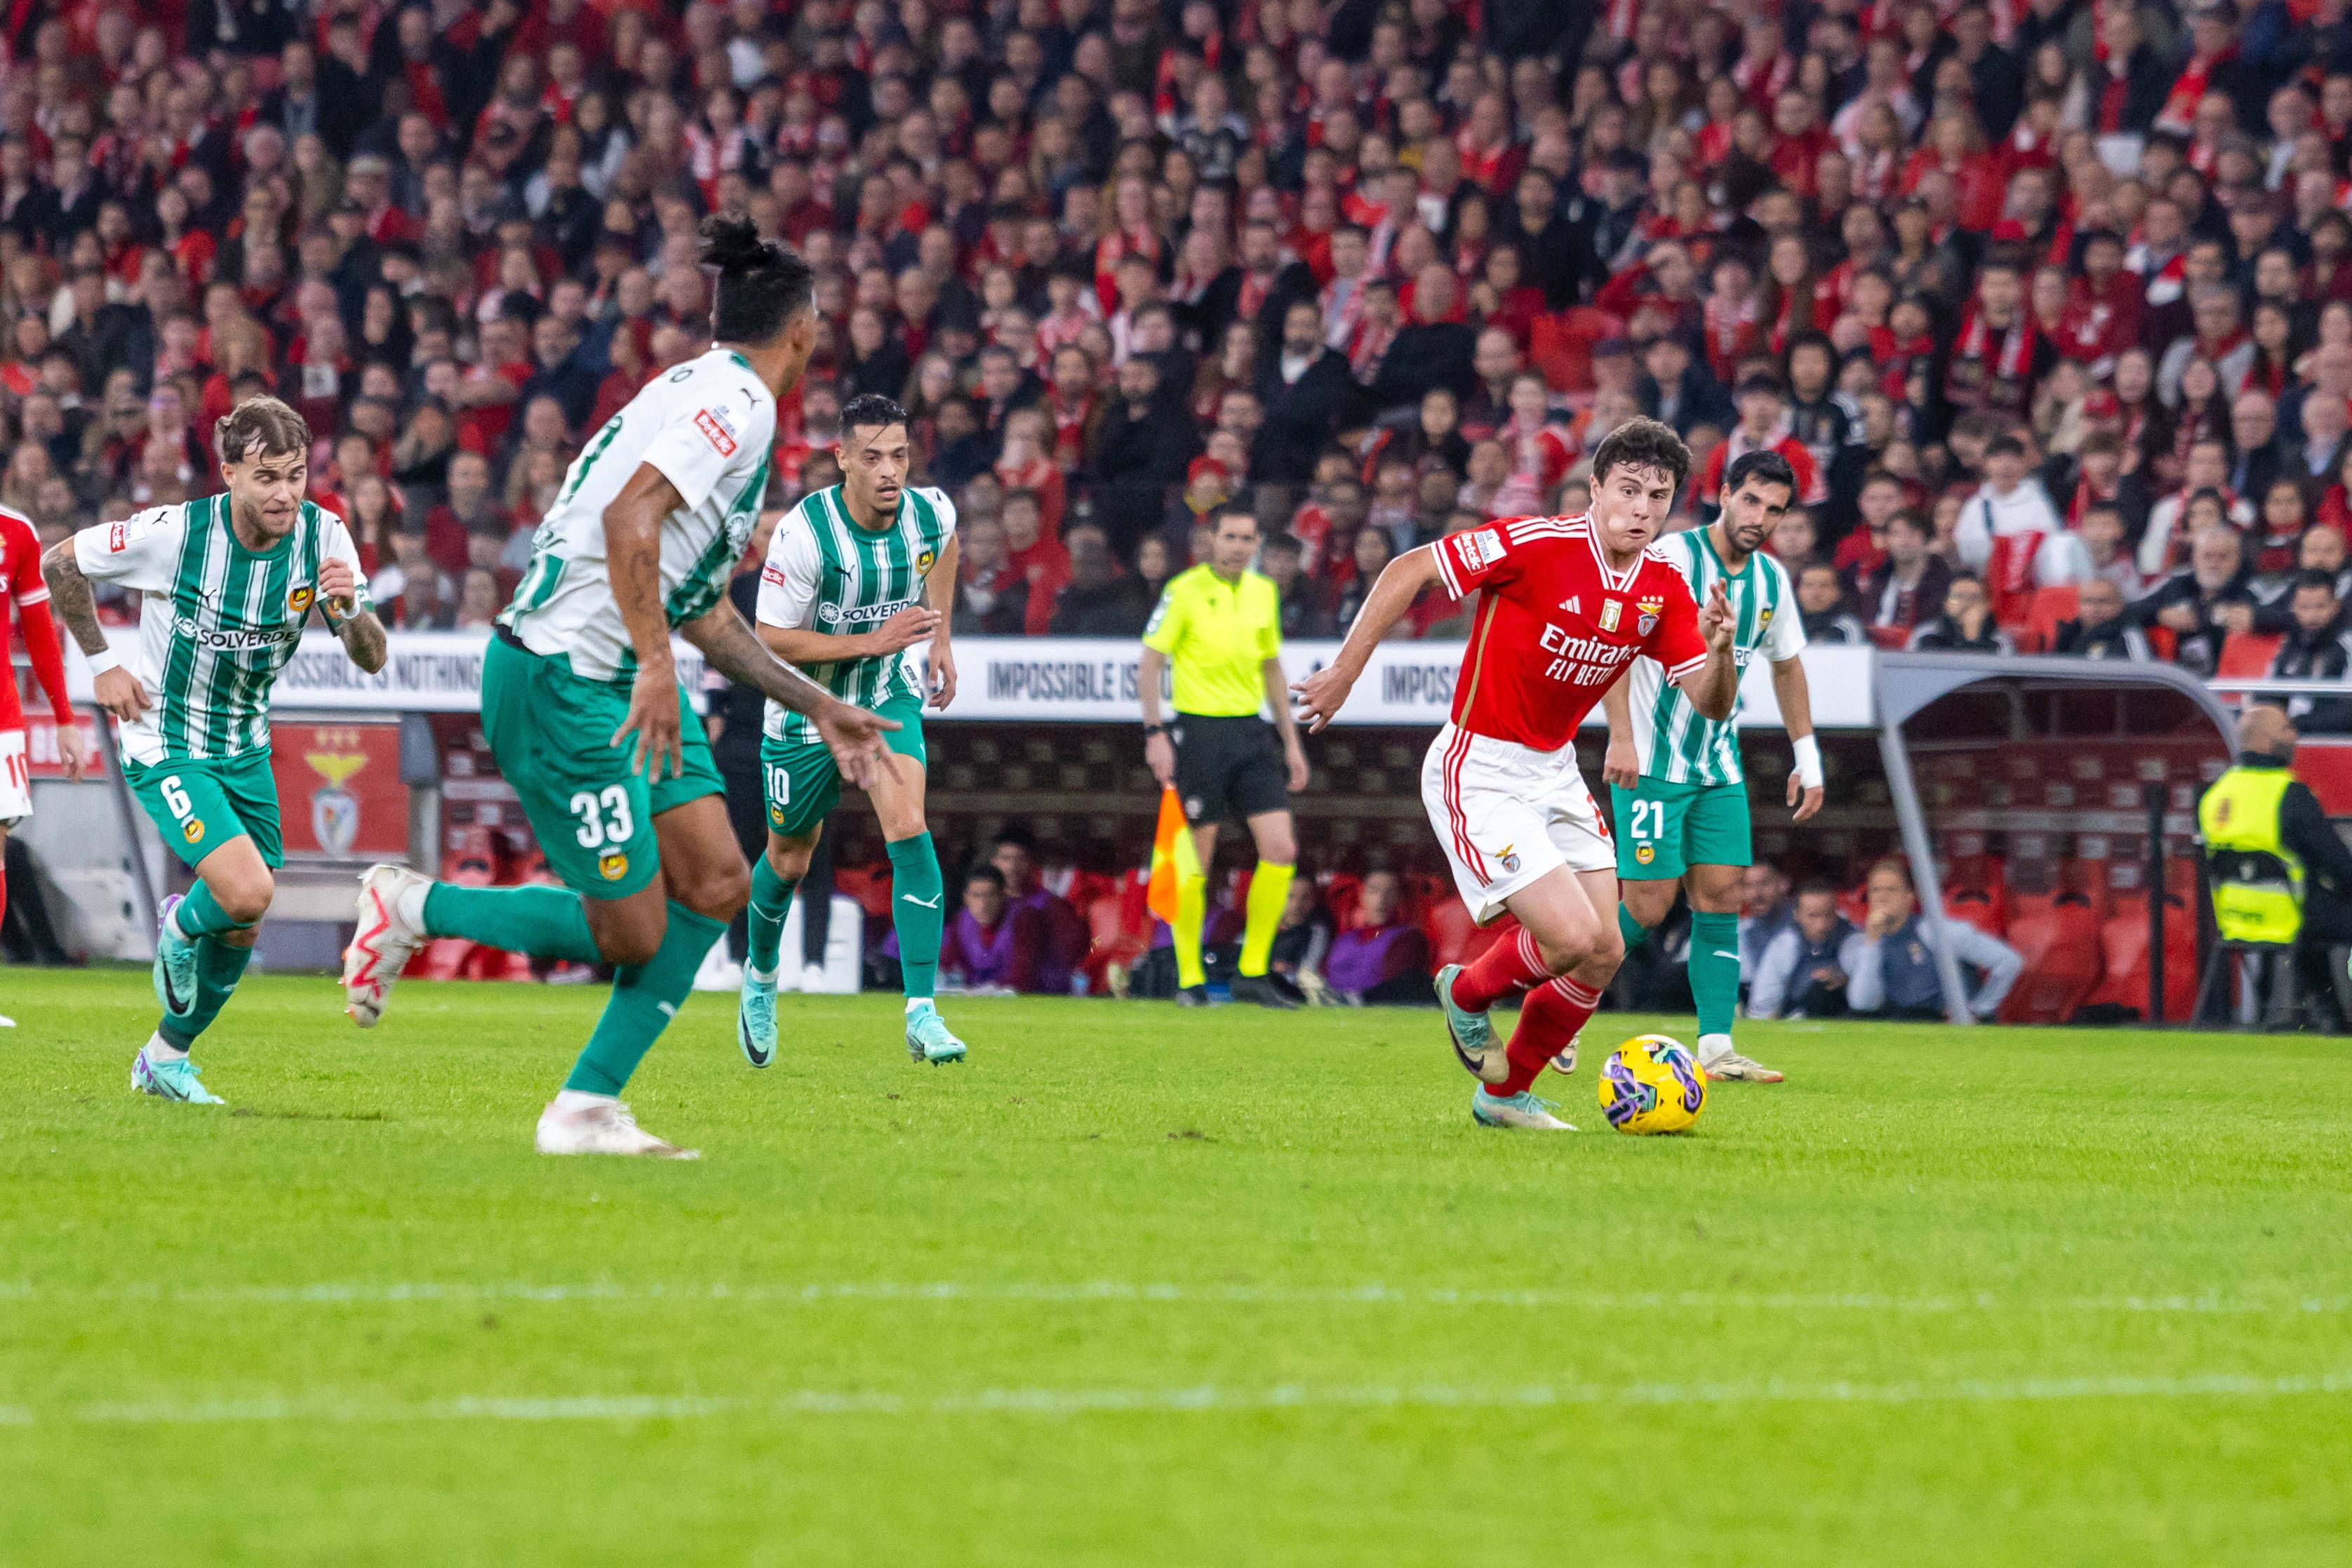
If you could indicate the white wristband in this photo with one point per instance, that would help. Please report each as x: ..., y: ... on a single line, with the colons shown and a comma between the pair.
x: 102, y: 660
x: 1809, y: 760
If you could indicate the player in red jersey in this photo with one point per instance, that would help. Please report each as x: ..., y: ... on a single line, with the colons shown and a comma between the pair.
x: 20, y: 583
x: 1565, y: 604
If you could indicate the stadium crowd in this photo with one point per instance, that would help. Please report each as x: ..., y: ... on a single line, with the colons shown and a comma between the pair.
x: 2049, y: 301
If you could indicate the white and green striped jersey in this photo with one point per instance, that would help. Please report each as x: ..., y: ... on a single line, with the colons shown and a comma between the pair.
x: 216, y: 620
x: 1674, y: 743
x: 708, y: 426
x: 828, y: 573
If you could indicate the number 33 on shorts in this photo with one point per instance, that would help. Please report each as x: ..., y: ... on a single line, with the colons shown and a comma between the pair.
x: 607, y: 824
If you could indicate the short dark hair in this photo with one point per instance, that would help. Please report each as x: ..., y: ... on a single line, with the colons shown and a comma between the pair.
x: 264, y: 422
x: 763, y: 284
x: 984, y: 872
x: 2314, y: 578
x: 2004, y: 446
x: 870, y: 409
x: 1642, y: 442
x: 1244, y: 513
x: 1764, y: 466
x: 1816, y: 886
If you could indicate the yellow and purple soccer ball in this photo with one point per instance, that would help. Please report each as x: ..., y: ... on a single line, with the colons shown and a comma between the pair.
x: 1651, y: 1083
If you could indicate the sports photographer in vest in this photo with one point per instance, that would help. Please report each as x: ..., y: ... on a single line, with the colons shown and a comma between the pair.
x: 2280, y: 874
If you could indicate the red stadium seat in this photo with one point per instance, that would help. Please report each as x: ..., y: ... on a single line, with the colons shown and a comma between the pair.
x: 2058, y: 937
x: 1455, y: 937
x: 1983, y: 908
x: 2123, y: 951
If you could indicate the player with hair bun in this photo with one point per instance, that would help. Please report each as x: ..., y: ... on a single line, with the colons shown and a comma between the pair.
x: 582, y: 704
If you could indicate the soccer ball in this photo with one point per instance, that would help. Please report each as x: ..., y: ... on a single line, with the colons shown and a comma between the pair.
x: 1652, y: 1084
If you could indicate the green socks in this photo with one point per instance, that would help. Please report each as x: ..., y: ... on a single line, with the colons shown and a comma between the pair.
x: 918, y: 909
x: 1715, y: 971
x: 646, y: 997
x: 1269, y: 889
x: 200, y: 914
x: 544, y: 921
x: 772, y: 900
x: 219, y: 966
x: 1632, y: 930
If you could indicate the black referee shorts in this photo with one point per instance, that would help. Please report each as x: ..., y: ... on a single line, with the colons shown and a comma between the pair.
x: 1228, y: 768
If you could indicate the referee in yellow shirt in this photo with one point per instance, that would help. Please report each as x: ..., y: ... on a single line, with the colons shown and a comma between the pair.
x: 1220, y: 624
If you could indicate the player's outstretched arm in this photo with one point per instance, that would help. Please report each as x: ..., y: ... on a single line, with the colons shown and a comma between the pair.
x: 1322, y: 695
x: 117, y: 689
x: 1796, y: 700
x: 729, y: 644
x: 1715, y: 690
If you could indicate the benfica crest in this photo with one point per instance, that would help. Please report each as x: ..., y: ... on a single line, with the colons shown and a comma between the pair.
x: 1650, y: 609
x: 335, y: 810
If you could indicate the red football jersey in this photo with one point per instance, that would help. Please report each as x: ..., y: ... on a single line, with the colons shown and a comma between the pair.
x: 1555, y: 626
x: 21, y: 585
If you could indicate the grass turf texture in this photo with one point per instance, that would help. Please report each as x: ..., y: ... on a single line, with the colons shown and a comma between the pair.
x: 1139, y: 1285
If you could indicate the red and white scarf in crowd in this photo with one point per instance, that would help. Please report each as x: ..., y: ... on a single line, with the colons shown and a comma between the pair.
x: 1984, y: 374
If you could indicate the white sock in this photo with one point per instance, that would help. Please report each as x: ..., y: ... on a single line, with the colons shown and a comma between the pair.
x: 761, y: 977
x: 410, y: 905
x: 581, y: 1100
x: 1713, y: 1048
x: 161, y: 1049
x: 915, y: 1002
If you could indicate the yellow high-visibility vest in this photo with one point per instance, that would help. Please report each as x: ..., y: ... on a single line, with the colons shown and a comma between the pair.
x: 2239, y: 818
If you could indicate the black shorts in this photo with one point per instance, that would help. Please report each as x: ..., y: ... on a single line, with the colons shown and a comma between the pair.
x: 1228, y: 768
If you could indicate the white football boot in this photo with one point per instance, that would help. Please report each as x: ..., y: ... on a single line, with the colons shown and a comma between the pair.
x: 384, y: 939
x: 581, y: 1123
x: 1717, y: 1060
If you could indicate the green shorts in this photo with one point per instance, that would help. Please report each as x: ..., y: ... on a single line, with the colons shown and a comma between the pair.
x: 1663, y: 829
x: 803, y: 784
x: 552, y: 732
x: 200, y: 806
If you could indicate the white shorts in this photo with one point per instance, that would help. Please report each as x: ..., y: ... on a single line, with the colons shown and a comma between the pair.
x: 15, y: 778
x: 1507, y: 814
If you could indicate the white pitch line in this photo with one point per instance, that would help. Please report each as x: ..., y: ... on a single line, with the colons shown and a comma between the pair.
x: 1117, y: 1291
x: 1193, y: 1400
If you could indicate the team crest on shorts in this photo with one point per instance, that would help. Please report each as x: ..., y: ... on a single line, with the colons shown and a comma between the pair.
x: 1510, y: 859
x: 1643, y: 854
x: 194, y: 832
x: 1650, y: 609
x: 613, y: 867
x: 776, y: 815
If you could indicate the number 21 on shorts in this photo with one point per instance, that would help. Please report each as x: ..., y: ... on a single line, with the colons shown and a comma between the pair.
x: 1649, y: 820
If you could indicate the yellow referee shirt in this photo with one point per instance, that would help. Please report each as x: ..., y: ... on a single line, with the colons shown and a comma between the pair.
x: 1217, y: 636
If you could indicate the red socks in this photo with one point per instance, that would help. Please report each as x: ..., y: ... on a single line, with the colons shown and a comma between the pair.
x: 1549, y: 1020
x: 1506, y: 969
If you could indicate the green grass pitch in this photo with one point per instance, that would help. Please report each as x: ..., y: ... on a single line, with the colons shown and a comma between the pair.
x: 1145, y: 1286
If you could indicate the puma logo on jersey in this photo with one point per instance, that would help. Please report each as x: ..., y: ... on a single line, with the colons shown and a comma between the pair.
x: 717, y: 429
